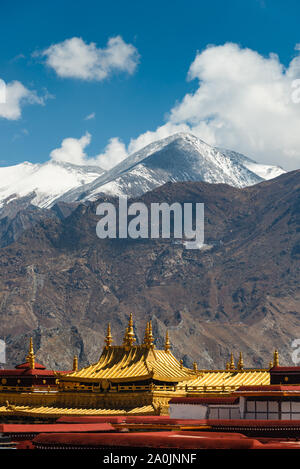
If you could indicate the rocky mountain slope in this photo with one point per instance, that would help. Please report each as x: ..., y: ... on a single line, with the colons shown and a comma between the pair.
x: 62, y: 284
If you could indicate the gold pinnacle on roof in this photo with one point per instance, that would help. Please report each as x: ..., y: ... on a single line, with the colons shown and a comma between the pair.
x: 167, y: 342
x: 129, y: 334
x: 31, y: 357
x: 108, y: 338
x: 151, y: 338
x: 240, y: 365
x: 231, y: 364
x: 146, y: 337
x: 276, y: 358
x: 75, y: 363
x: 195, y: 366
x: 271, y: 365
x: 148, y: 340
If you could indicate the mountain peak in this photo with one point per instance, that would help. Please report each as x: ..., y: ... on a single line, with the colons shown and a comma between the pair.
x: 177, y: 158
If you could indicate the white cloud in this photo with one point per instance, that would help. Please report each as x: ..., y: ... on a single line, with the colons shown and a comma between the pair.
x: 72, y: 150
x: 74, y: 58
x: 16, y: 96
x: 243, y: 102
x: 90, y: 116
x: 113, y: 154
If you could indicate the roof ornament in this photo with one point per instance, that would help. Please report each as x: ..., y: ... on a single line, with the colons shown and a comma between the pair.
x: 75, y: 363
x: 240, y: 365
x: 231, y: 364
x: 129, y: 338
x: 195, y: 366
x: 31, y: 357
x: 167, y: 342
x: 146, y: 336
x: 276, y: 358
x: 108, y: 338
x: 149, y: 339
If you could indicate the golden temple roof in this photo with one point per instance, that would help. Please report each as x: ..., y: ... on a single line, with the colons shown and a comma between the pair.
x: 137, y: 363
x: 130, y: 362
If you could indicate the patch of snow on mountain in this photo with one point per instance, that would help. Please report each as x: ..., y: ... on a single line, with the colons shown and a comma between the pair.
x: 46, y: 181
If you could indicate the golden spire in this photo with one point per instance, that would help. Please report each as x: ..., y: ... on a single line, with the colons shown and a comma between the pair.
x: 195, y: 366
x: 240, y: 365
x: 151, y: 338
x: 75, y: 363
x: 148, y: 340
x: 167, y: 342
x: 31, y: 357
x: 271, y: 365
x: 129, y: 334
x: 276, y: 358
x: 146, y: 337
x: 227, y: 366
x: 231, y: 364
x: 108, y: 338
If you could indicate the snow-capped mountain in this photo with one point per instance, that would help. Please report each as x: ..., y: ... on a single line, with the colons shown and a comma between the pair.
x: 264, y: 171
x: 42, y: 184
x: 181, y: 157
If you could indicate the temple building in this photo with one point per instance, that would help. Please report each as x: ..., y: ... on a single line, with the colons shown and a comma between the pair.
x: 128, y: 379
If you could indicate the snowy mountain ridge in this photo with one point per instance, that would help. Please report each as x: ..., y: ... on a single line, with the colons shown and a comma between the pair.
x: 180, y: 157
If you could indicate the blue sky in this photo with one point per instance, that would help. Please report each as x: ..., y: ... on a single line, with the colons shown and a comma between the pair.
x: 164, y: 39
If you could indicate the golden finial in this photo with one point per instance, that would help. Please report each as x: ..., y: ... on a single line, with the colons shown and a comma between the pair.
x: 240, y: 365
x: 227, y: 366
x: 146, y: 337
x: 129, y: 334
x: 148, y: 340
x: 181, y: 363
x: 271, y: 365
x: 31, y: 357
x: 151, y: 338
x: 276, y: 358
x: 231, y: 364
x: 75, y: 363
x: 108, y: 338
x: 167, y: 342
x: 195, y: 366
